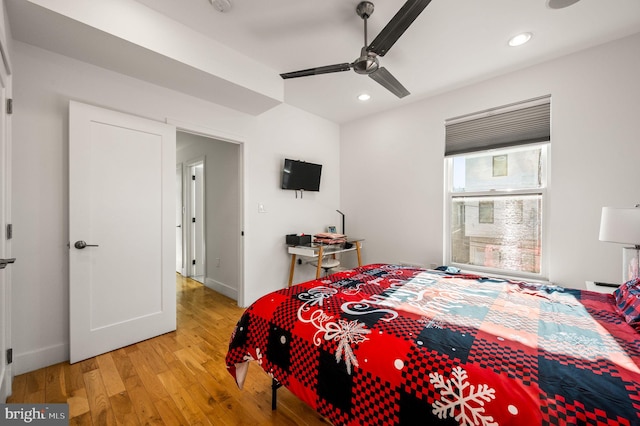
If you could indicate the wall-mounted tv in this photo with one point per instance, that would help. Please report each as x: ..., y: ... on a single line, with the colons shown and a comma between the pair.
x: 301, y: 176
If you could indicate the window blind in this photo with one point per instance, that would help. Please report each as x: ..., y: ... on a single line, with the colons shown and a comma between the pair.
x: 510, y: 125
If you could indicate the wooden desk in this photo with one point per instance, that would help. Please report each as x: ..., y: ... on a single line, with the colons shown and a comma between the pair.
x: 320, y: 250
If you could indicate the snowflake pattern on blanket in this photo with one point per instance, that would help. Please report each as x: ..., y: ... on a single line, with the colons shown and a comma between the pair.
x: 461, y: 400
x: 395, y: 345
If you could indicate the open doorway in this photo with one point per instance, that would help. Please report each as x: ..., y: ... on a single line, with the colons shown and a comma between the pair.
x: 209, y: 240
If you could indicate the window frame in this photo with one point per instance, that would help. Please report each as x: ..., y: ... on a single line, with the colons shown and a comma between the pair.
x: 450, y: 196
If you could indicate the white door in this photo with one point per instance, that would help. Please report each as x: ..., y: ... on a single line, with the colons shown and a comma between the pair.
x: 121, y: 230
x: 179, y: 221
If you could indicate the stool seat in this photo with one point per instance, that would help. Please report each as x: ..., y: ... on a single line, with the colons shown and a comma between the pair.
x: 327, y: 263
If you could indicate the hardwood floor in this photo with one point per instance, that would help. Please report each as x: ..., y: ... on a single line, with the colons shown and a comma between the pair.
x: 177, y: 378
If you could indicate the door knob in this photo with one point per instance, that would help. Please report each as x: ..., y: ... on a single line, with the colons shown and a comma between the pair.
x: 81, y: 244
x: 5, y: 262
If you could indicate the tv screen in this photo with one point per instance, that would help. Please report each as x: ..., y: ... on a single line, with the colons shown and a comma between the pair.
x: 300, y: 175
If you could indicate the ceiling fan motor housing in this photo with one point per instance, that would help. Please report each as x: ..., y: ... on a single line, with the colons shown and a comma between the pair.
x: 366, y: 63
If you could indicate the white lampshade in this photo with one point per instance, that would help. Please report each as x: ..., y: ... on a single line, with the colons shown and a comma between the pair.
x: 620, y: 225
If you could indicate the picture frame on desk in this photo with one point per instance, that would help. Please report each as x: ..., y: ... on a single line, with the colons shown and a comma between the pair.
x: 332, y: 229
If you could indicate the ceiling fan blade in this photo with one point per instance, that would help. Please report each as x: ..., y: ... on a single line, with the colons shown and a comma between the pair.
x: 397, y: 26
x: 389, y: 82
x: 320, y: 70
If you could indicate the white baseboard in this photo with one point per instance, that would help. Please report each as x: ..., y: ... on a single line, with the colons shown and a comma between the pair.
x: 44, y: 357
x: 222, y: 288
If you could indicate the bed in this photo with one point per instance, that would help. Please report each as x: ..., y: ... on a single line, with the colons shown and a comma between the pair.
x: 396, y: 345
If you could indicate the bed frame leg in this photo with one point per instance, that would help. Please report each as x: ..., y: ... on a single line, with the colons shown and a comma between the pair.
x: 274, y: 393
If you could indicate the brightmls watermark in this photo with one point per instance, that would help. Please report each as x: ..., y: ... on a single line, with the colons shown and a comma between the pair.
x: 35, y: 414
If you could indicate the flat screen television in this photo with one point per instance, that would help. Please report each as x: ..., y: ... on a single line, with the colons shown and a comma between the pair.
x: 301, y: 176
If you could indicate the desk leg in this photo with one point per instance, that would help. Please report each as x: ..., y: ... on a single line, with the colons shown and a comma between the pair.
x: 319, y: 268
x: 293, y: 266
x: 358, y: 252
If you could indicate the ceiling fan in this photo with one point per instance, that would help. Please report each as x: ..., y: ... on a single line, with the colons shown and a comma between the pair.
x: 367, y: 62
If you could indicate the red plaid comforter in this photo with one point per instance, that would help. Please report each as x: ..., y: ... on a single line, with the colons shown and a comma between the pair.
x: 393, y: 345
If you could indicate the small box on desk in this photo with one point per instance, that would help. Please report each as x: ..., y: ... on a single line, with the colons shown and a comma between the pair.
x: 298, y: 240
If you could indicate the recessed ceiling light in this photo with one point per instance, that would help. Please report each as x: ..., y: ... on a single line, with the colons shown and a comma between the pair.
x: 364, y: 97
x: 520, y: 39
x: 559, y: 4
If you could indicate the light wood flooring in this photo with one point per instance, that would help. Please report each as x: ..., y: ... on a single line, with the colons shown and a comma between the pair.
x: 177, y: 378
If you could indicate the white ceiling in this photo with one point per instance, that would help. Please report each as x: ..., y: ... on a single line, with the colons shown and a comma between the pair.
x: 451, y: 44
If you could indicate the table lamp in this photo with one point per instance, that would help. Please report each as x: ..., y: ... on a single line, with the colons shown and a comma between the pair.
x: 343, y: 232
x: 622, y: 225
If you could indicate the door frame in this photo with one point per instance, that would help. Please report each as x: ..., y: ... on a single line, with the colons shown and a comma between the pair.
x: 207, y: 132
x: 181, y: 249
x: 6, y: 370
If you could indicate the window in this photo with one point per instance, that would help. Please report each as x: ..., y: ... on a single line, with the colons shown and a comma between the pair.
x: 496, y: 201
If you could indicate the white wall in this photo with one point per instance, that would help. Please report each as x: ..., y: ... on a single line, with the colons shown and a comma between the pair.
x: 286, y: 133
x: 222, y: 208
x: 43, y: 85
x: 392, y: 168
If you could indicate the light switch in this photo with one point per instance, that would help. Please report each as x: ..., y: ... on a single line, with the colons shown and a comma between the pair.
x: 261, y: 208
